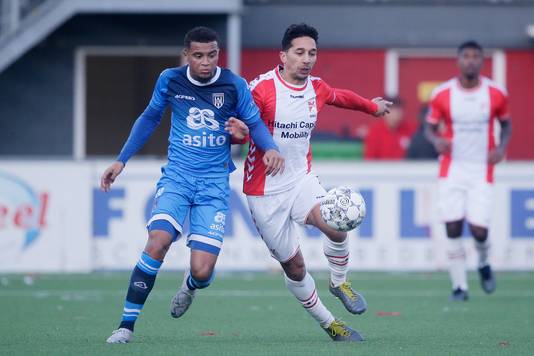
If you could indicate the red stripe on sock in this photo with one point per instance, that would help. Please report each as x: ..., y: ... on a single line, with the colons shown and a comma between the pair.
x: 311, y: 296
x: 330, y: 256
x: 338, y: 263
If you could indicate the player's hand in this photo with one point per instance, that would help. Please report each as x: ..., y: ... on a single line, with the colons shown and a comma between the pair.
x: 274, y: 162
x: 496, y: 155
x: 236, y: 128
x: 442, y: 145
x: 383, y: 106
x: 110, y: 174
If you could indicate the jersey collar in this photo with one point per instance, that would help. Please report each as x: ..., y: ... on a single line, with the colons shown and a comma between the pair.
x: 290, y: 86
x: 200, y: 84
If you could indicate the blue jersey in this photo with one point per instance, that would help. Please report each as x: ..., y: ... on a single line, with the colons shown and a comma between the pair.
x: 198, y: 142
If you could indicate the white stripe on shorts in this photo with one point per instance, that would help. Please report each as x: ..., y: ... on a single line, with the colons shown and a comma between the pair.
x: 205, y: 239
x: 165, y: 217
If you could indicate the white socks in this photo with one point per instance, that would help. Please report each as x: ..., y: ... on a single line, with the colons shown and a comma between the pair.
x: 457, y: 269
x: 306, y: 294
x: 483, y: 252
x: 337, y: 254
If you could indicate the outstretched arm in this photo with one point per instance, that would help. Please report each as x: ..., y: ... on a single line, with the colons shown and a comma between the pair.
x: 347, y: 99
x: 142, y: 129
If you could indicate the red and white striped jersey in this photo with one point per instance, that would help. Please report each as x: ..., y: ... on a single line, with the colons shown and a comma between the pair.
x: 290, y: 113
x: 469, y: 116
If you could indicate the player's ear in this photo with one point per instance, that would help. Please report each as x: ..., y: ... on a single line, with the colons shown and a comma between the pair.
x: 185, y: 52
x: 283, y: 57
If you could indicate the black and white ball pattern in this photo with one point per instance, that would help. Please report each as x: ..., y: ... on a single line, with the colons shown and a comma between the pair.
x: 343, y: 209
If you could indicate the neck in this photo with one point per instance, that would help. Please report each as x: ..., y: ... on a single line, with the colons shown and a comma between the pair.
x: 469, y: 82
x: 202, y: 80
x: 290, y: 80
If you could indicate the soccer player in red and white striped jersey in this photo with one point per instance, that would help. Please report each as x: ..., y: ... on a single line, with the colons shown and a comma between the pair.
x: 289, y: 99
x: 468, y: 106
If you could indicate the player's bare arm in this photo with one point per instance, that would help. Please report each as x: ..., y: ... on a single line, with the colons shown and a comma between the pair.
x: 382, y: 106
x: 110, y: 174
x: 497, y: 154
x: 237, y: 128
x: 441, y: 144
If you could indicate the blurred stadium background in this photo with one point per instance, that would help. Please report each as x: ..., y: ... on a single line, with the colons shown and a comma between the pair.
x: 74, y: 74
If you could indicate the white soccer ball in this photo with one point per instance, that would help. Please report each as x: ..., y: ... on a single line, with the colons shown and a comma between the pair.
x: 343, y: 209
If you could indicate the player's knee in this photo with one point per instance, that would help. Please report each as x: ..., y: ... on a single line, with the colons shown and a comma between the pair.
x: 479, y: 233
x: 158, y: 244
x: 201, y: 273
x: 337, y: 236
x: 295, y: 270
x: 454, y: 229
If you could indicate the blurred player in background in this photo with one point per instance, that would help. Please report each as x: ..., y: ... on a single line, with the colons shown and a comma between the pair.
x: 388, y: 139
x: 289, y: 99
x: 468, y: 105
x: 204, y: 99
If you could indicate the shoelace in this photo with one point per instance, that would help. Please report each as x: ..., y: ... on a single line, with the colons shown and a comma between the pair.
x: 347, y: 290
x: 338, y: 327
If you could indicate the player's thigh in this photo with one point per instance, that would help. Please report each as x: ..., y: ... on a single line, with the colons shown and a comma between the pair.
x: 452, y: 199
x: 479, y: 204
x: 170, y: 207
x: 310, y: 194
x: 208, y: 216
x: 272, y: 216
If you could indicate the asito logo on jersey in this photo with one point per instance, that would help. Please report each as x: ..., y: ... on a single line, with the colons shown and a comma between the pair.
x: 218, y: 100
x: 203, y: 119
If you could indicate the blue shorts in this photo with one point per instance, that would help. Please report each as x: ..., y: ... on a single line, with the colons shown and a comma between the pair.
x: 206, y: 201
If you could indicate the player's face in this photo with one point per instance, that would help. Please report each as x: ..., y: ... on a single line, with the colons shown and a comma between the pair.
x: 299, y: 59
x: 394, y: 117
x: 470, y: 62
x: 202, y: 59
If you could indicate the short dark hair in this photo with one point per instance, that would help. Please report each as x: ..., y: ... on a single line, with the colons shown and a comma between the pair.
x: 296, y: 31
x: 200, y: 34
x: 470, y: 44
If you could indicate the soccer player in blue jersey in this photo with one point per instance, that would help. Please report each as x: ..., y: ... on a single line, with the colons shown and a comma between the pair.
x: 205, y: 101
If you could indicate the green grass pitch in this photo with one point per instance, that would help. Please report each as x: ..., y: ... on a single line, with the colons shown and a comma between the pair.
x: 254, y: 314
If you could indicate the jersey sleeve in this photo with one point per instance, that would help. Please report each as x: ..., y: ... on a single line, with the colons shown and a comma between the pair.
x: 342, y: 98
x: 499, y: 98
x: 160, y: 97
x: 248, y: 112
x: 435, y: 110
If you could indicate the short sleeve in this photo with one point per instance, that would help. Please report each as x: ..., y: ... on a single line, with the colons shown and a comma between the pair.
x: 499, y: 100
x: 436, y: 110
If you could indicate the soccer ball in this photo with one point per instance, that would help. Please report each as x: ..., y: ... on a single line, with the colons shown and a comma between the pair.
x: 343, y: 209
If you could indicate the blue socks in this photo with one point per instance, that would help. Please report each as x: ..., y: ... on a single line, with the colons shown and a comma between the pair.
x: 193, y: 283
x: 141, y: 283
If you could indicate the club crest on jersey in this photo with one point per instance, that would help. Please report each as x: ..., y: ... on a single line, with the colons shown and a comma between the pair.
x: 311, y: 105
x: 218, y: 99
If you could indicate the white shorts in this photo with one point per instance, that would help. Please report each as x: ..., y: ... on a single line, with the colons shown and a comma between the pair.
x: 277, y: 216
x: 465, y: 195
